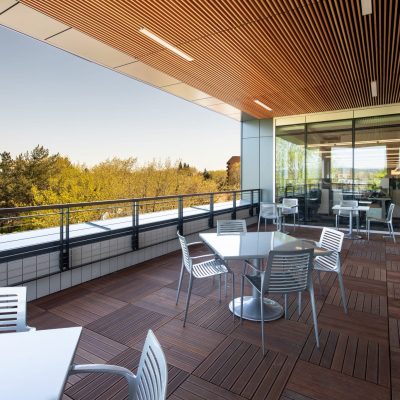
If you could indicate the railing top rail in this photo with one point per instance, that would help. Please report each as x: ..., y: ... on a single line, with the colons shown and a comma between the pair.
x: 18, y: 210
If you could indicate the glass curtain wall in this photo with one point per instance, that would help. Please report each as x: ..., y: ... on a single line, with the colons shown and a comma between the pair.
x: 290, y: 163
x: 326, y: 162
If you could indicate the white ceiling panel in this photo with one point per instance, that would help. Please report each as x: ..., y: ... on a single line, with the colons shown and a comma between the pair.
x: 84, y: 46
x: 4, y: 4
x: 26, y: 20
x: 224, y: 108
x: 147, y: 74
x: 209, y: 101
x: 186, y: 91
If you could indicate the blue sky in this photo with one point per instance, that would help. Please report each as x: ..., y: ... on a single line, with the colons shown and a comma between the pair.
x: 90, y: 113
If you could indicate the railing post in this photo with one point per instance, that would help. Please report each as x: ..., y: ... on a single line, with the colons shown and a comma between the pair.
x: 180, y: 215
x: 251, y: 211
x: 135, y: 225
x: 61, y: 253
x: 234, y: 205
x: 64, y: 248
x: 211, y: 217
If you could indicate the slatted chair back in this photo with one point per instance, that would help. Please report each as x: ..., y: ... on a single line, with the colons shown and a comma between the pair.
x: 186, y: 260
x: 331, y: 239
x: 229, y: 226
x: 348, y: 203
x: 13, y: 309
x: 290, y: 205
x: 287, y: 271
x: 267, y: 211
x: 390, y: 213
x: 152, y: 376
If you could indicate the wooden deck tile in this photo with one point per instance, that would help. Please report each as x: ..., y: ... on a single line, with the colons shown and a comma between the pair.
x: 88, y: 308
x: 324, y: 384
x: 350, y: 355
x: 354, y: 323
x: 186, y: 347
x: 163, y: 302
x: 128, y: 325
x: 241, y: 368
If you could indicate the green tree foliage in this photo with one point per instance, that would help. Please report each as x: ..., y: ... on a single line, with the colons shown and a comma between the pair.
x: 39, y: 178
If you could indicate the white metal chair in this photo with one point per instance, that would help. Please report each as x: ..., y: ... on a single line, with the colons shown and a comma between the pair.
x: 290, y: 206
x: 151, y: 380
x: 205, y: 269
x: 286, y: 272
x: 268, y: 211
x: 388, y: 220
x: 332, y: 240
x: 346, y: 213
x: 13, y: 310
x: 231, y: 226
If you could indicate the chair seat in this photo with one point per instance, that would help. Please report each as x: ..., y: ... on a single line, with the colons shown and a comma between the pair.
x: 325, y: 263
x: 383, y: 220
x: 209, y: 268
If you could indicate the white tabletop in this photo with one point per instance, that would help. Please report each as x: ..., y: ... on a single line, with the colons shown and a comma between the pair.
x: 250, y: 245
x: 34, y: 365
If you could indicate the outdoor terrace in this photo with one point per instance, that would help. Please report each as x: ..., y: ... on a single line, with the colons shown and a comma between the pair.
x: 209, y: 359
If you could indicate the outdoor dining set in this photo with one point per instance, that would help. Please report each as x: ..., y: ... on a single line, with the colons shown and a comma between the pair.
x: 273, y: 262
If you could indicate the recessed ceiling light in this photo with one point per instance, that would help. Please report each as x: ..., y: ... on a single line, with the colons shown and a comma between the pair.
x: 366, y: 7
x: 165, y: 44
x: 374, y: 89
x: 262, y: 105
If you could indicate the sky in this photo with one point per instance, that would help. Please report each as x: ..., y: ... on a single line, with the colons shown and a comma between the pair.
x: 90, y: 113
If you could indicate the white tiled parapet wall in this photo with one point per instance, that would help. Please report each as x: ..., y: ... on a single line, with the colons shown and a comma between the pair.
x: 91, y: 254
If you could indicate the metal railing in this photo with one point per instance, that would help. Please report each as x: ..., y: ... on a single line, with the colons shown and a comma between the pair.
x: 33, y: 231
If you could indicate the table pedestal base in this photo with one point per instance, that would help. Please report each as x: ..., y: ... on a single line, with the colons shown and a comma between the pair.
x: 352, y: 236
x: 252, y: 309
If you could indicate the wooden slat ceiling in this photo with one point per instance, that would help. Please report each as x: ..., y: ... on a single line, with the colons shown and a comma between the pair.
x: 295, y: 56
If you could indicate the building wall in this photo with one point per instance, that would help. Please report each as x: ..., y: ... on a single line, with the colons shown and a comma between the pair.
x: 257, y: 155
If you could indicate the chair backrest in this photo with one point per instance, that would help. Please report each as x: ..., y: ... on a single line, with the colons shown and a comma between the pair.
x: 348, y: 203
x: 268, y: 210
x: 390, y: 212
x: 229, y: 226
x: 291, y: 204
x: 287, y: 271
x: 331, y: 239
x: 187, y: 261
x: 13, y: 309
x: 152, y: 376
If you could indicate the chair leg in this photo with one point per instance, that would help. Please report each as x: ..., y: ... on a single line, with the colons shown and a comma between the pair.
x: 188, y: 298
x: 219, y: 280
x: 319, y: 282
x: 241, y: 298
x: 299, y: 303
x: 286, y: 305
x: 368, y: 228
x: 258, y: 226
x: 294, y: 222
x: 233, y: 297
x: 358, y: 223
x: 392, y: 232
x: 262, y: 322
x: 341, y: 285
x: 337, y: 221
x: 180, y: 283
x: 314, y: 314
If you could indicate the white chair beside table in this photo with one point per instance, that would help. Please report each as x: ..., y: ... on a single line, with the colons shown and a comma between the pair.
x: 290, y: 206
x: 199, y: 270
x: 388, y: 221
x: 150, y: 382
x: 13, y: 310
x: 268, y: 211
x: 346, y: 213
x: 286, y: 272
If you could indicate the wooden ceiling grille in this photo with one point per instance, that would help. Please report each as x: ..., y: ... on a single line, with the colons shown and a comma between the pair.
x: 295, y: 56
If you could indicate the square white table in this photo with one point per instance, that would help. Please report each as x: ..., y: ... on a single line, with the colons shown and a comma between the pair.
x: 34, y: 365
x: 350, y: 234
x: 255, y: 246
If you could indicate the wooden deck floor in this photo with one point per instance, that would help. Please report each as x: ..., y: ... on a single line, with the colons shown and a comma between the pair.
x: 359, y: 357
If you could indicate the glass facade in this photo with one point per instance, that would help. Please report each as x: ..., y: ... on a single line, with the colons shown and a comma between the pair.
x: 324, y: 163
